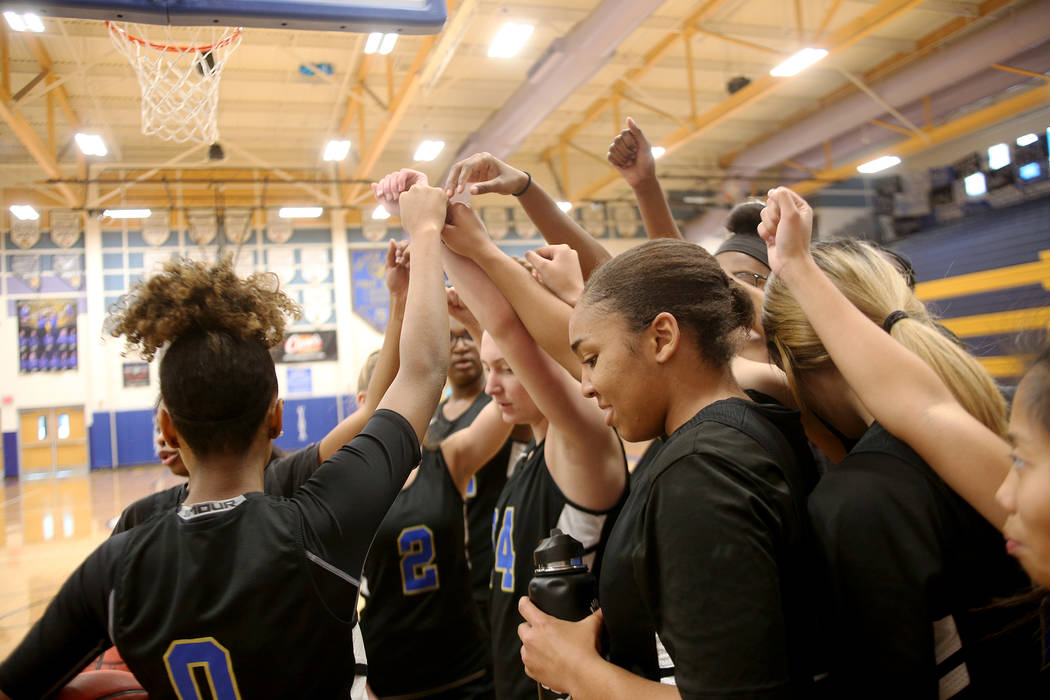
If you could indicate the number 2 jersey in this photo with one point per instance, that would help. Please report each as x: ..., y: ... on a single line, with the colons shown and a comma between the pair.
x: 422, y: 630
x: 530, y: 505
x: 253, y: 595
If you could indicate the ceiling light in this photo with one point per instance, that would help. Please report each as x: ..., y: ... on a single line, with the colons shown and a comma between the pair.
x: 1030, y: 171
x: 336, y: 150
x: 509, y: 39
x: 998, y: 156
x: 300, y: 212
x: 658, y: 151
x: 799, y: 62
x: 127, y: 213
x: 565, y: 206
x: 975, y: 184
x: 387, y: 44
x: 24, y: 22
x: 380, y: 213
x: 373, y: 42
x: 1027, y: 140
x: 91, y: 144
x: 24, y: 212
x: 428, y: 150
x: 874, y: 166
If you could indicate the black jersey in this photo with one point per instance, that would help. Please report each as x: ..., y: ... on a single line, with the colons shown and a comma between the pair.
x: 421, y: 627
x: 916, y: 574
x: 255, y: 595
x: 482, y: 491
x: 284, y: 474
x: 704, y: 579
x: 530, y: 505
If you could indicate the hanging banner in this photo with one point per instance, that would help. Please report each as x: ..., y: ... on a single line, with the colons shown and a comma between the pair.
x: 307, y: 346
x: 69, y: 268
x: 368, y: 280
x: 25, y: 234
x: 313, y: 262
x: 65, y: 227
x: 244, y: 264
x: 237, y: 225
x: 203, y: 225
x: 47, y: 335
x: 317, y: 305
x: 157, y: 228
x: 373, y: 230
x: 281, y: 261
x: 592, y: 218
x: 27, y: 269
x: 278, y: 230
x: 497, y: 221
x: 523, y: 224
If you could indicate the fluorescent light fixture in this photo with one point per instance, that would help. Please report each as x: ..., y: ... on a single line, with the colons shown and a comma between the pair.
x: 336, y: 150
x: 380, y: 213
x: 874, y: 166
x: 91, y: 144
x: 1029, y: 171
x: 24, y: 212
x: 127, y: 213
x: 387, y: 45
x: 658, y: 151
x: 998, y: 156
x: 975, y: 184
x: 373, y: 41
x: 509, y: 39
x: 1027, y: 140
x: 565, y: 206
x: 300, y: 212
x: 33, y: 22
x: 428, y: 150
x: 799, y: 62
x: 15, y: 21
x: 27, y: 22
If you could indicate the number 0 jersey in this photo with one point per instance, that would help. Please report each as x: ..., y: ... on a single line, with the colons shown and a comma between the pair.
x: 530, y: 505
x: 253, y: 595
x: 420, y: 624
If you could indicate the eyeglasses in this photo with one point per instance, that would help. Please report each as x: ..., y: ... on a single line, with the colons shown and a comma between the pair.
x: 752, y: 278
x: 453, y: 338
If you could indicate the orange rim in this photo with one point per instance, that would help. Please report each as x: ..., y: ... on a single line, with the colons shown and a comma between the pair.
x: 225, y: 41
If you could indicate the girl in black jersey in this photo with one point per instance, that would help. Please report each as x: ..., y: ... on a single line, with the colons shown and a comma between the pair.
x: 703, y: 585
x: 252, y: 595
x: 927, y: 556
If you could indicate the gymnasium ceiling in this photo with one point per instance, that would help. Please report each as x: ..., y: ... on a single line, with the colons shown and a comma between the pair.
x: 592, y: 62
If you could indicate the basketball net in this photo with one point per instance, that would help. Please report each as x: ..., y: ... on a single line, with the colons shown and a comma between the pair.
x: 179, y: 73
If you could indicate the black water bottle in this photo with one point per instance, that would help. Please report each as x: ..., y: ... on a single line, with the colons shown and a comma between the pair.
x: 562, y: 586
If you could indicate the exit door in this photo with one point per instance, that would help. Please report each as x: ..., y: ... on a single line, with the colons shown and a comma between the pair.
x: 53, y: 442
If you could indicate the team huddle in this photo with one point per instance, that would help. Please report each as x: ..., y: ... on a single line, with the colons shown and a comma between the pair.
x: 820, y: 513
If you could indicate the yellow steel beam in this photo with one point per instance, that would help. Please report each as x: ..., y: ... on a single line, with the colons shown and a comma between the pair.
x: 738, y: 42
x: 988, y: 280
x: 1021, y: 71
x: 1006, y: 365
x: 891, y: 127
x: 933, y: 136
x: 827, y: 18
x: 652, y: 57
x: 10, y: 113
x: 842, y: 38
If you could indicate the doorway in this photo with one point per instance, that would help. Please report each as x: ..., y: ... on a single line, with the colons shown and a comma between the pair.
x: 53, y: 442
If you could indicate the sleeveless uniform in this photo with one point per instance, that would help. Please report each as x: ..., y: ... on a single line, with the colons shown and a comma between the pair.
x: 530, y: 505
x: 254, y: 595
x: 482, y: 492
x: 283, y: 475
x: 706, y: 582
x: 422, y: 631
x: 916, y: 574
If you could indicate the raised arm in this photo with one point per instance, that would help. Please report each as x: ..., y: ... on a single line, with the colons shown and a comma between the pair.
x: 631, y: 155
x: 389, y: 356
x: 900, y: 390
x: 483, y: 172
x: 584, y: 456
x: 423, y: 348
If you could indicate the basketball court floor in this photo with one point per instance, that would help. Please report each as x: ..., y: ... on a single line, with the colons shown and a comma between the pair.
x: 48, y: 527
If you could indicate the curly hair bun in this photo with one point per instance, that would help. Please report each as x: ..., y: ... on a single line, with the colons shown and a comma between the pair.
x: 194, y: 296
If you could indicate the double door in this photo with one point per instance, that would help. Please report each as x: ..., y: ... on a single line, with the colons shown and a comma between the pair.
x: 53, y: 442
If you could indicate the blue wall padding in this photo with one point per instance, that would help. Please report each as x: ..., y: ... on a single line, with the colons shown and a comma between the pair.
x: 135, y: 437
x: 101, y: 440
x: 11, y: 455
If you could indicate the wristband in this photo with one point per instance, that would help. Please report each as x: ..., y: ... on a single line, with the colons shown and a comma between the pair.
x: 528, y: 184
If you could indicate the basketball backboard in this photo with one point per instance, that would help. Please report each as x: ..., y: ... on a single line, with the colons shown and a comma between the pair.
x: 402, y: 16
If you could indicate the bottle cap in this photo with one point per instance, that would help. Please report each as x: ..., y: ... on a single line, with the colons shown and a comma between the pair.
x: 558, y: 552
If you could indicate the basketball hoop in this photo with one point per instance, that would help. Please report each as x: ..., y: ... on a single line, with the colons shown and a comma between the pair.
x: 179, y: 74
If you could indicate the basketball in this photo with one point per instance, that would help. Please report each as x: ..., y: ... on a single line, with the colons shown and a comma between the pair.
x: 109, y: 661
x: 102, y: 685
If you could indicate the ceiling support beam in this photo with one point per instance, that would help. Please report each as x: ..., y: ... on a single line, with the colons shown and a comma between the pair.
x: 10, y: 113
x: 1021, y: 71
x: 738, y: 42
x: 932, y: 137
x: 863, y: 87
x: 842, y: 38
